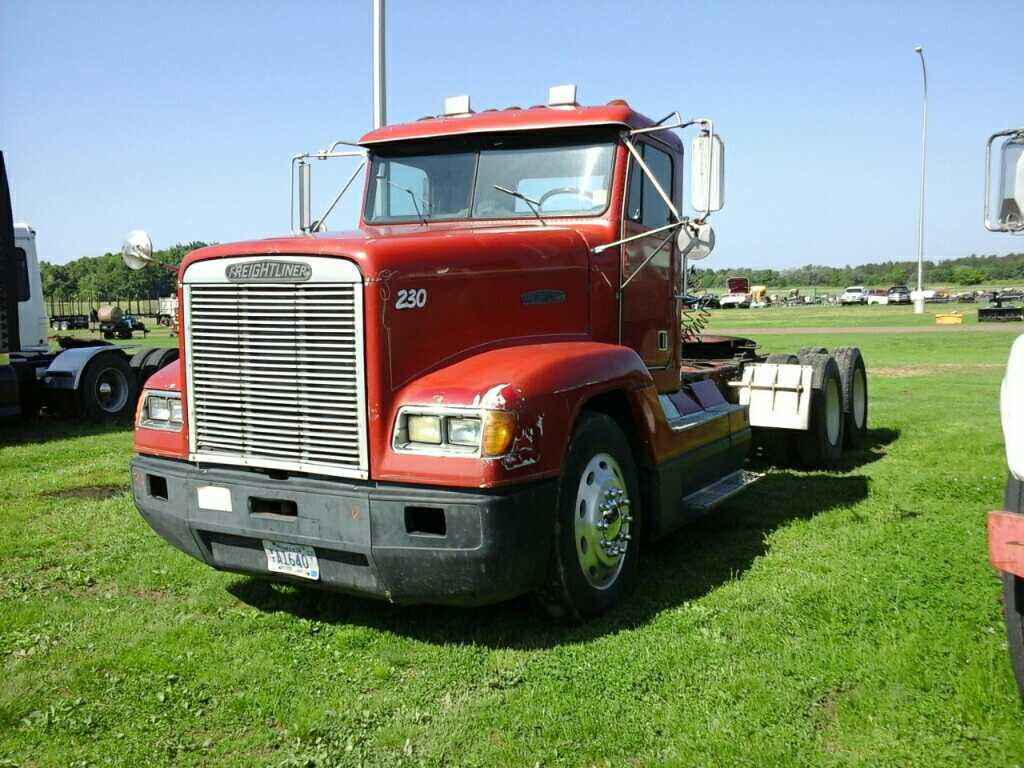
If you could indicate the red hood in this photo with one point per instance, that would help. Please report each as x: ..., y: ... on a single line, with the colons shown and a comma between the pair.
x: 382, y: 253
x: 481, y: 287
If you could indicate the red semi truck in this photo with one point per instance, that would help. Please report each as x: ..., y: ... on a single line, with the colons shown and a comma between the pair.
x: 486, y: 389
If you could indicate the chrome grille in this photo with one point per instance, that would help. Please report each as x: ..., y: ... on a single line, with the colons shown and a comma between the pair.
x: 276, y: 376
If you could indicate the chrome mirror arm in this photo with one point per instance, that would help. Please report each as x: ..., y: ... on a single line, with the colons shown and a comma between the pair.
x: 324, y: 154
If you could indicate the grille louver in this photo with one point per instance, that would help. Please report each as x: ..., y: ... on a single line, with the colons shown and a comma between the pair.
x: 276, y: 376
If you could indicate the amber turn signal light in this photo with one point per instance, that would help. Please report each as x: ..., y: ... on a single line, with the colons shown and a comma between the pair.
x: 499, y: 431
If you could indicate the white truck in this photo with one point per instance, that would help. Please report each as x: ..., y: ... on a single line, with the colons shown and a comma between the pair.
x: 93, y: 379
x: 1006, y: 527
x: 855, y: 294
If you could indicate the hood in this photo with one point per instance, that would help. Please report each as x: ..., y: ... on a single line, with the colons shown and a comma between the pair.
x: 437, y: 294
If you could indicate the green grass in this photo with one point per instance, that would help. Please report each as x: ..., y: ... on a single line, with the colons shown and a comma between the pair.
x: 835, y: 619
x: 830, y: 316
x: 159, y: 336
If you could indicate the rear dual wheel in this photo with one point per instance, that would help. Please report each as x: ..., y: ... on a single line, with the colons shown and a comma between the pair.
x: 854, y: 379
x: 596, y: 545
x: 820, y: 446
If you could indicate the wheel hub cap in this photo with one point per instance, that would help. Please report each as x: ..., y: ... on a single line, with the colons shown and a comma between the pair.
x: 602, y: 521
x: 111, y: 390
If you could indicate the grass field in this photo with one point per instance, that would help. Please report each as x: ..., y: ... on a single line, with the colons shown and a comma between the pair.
x: 825, y: 316
x: 832, y: 619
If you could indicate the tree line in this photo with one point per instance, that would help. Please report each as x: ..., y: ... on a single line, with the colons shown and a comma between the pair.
x: 105, y: 278
x: 102, y: 279
x: 968, y: 270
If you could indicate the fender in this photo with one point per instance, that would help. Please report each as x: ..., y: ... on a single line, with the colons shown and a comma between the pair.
x: 1012, y: 407
x: 161, y: 442
x: 65, y: 372
x: 544, y: 384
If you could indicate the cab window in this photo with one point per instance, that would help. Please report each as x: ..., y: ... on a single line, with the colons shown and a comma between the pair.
x: 643, y: 203
x: 21, y: 274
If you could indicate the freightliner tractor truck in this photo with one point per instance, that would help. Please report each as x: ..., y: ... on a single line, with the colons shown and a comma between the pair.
x: 1006, y: 527
x: 492, y: 387
x: 95, y: 381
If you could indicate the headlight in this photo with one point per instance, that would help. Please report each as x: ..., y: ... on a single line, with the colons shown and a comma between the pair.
x: 464, y: 430
x: 457, y: 432
x: 160, y: 410
x: 424, y: 429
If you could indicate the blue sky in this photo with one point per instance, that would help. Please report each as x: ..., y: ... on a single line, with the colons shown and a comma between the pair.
x: 181, y: 117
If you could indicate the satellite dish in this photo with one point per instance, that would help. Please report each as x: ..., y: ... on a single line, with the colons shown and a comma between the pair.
x: 696, y: 241
x: 137, y: 250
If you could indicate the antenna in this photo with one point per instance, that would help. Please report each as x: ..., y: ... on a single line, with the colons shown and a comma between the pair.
x: 380, y: 91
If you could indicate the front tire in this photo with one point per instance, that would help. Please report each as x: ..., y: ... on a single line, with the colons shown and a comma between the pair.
x: 596, y: 545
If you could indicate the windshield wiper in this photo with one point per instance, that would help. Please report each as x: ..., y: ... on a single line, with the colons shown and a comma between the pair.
x: 412, y: 196
x: 534, y: 204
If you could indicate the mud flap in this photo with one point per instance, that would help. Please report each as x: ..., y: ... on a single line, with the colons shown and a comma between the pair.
x: 778, y: 396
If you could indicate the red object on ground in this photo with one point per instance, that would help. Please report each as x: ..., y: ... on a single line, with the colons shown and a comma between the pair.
x: 1006, y: 542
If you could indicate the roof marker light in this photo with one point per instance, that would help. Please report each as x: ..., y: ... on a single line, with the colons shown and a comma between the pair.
x: 562, y: 96
x: 457, y: 106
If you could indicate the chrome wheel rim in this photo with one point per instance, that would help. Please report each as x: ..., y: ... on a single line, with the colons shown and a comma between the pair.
x: 860, y: 398
x: 833, y: 411
x: 111, y: 390
x: 602, y: 521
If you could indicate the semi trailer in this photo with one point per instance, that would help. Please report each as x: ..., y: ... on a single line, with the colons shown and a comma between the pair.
x: 1006, y: 526
x: 491, y: 387
x: 96, y: 381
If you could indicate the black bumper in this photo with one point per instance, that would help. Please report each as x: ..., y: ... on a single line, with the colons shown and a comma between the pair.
x: 407, y: 544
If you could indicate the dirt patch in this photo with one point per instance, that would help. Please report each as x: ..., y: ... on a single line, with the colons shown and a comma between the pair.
x: 147, y: 594
x: 927, y: 370
x: 86, y: 492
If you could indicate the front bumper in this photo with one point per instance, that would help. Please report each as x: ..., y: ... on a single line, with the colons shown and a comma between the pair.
x: 1006, y: 542
x: 477, y: 547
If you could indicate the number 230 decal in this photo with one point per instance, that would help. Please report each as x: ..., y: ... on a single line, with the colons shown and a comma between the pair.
x: 411, y: 298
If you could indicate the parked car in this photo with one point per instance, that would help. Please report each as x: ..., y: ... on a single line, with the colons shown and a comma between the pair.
x: 899, y: 294
x: 878, y: 296
x: 855, y: 294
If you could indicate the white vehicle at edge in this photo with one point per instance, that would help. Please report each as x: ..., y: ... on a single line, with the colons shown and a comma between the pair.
x: 855, y: 294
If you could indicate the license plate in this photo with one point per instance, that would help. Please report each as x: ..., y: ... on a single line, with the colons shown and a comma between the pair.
x: 292, y: 559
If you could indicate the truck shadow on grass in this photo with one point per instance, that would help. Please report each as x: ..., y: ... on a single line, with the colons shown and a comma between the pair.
x: 873, y: 448
x: 686, y: 566
x: 47, y: 428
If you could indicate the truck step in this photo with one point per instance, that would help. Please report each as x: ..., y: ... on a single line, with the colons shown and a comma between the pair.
x: 712, y: 495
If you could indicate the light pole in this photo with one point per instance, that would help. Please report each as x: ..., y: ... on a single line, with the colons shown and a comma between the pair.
x: 919, y: 296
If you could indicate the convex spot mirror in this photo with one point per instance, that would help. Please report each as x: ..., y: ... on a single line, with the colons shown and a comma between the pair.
x: 137, y: 250
x: 695, y: 241
x: 1010, y: 210
x: 707, y: 173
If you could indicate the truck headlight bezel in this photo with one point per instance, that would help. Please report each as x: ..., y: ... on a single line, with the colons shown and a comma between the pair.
x: 465, y: 432
x: 159, y: 409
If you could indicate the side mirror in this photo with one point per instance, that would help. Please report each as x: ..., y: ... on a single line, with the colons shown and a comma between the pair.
x: 707, y: 174
x: 695, y: 242
x: 1010, y: 192
x: 1011, y: 184
x: 137, y: 250
x: 305, y: 192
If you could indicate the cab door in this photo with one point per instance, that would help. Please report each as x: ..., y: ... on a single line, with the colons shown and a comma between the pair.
x: 650, y: 319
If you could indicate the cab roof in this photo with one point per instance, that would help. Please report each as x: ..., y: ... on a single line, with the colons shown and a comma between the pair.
x: 616, y: 112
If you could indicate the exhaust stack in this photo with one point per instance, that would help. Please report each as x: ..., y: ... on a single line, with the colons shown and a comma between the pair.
x: 380, y: 93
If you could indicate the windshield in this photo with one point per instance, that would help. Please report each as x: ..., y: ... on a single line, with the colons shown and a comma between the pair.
x: 497, y: 180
